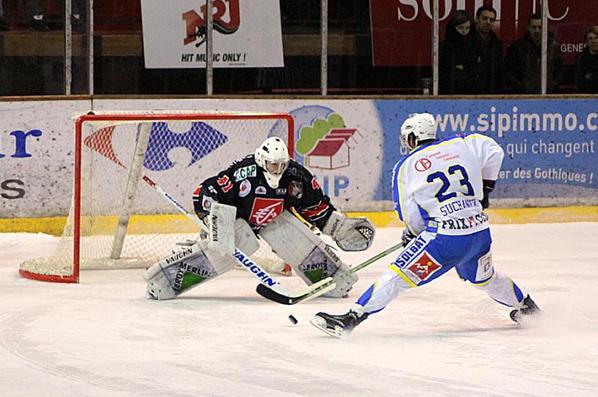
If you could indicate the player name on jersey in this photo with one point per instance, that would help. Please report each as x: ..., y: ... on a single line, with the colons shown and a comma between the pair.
x: 464, y: 223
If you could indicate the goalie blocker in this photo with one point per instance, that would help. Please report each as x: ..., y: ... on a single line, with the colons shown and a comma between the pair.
x: 291, y: 239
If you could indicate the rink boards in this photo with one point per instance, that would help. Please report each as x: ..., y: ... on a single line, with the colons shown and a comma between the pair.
x: 173, y: 223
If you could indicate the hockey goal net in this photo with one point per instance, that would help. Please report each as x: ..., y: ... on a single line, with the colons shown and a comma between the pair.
x: 117, y: 219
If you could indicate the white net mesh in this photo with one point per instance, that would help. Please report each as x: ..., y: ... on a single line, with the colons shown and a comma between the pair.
x: 125, y: 223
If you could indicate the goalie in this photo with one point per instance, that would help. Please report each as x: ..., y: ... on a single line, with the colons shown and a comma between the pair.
x: 258, y: 196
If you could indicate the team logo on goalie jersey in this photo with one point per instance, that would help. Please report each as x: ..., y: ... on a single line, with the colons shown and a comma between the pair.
x: 264, y: 210
x: 244, y: 188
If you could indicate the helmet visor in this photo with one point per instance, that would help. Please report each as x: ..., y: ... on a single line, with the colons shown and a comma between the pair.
x: 276, y: 167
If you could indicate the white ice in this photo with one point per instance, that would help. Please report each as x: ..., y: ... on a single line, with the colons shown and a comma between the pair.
x: 102, y: 337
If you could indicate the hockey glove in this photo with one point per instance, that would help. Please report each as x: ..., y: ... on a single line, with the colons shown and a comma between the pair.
x: 488, y: 187
x: 407, y: 236
x: 350, y: 234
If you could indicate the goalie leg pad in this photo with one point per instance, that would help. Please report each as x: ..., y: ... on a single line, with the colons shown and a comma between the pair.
x: 185, y: 269
x: 307, y: 253
x: 245, y: 238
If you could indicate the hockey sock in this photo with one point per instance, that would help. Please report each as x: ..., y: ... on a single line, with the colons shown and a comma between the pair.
x: 503, y: 290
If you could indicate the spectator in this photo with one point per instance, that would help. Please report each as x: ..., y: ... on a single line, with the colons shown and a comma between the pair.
x: 78, y: 15
x: 523, y: 61
x: 3, y: 23
x: 489, y: 59
x: 457, y: 63
x: 587, y: 64
x: 38, y: 17
x: 36, y: 10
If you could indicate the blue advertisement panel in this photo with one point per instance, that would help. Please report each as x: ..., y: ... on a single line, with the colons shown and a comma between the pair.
x: 551, y: 145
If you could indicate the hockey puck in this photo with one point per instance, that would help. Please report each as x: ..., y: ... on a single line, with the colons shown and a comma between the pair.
x: 292, y: 319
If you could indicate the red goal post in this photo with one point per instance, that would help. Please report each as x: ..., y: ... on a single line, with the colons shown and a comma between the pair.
x: 115, y: 221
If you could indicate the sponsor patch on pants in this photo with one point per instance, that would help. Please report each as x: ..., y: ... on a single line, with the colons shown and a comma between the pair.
x: 422, y: 268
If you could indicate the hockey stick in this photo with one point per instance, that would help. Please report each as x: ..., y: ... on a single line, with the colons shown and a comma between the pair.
x: 267, y: 284
x: 322, y: 286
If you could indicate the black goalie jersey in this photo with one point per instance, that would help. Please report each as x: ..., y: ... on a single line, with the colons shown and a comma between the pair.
x: 243, y: 185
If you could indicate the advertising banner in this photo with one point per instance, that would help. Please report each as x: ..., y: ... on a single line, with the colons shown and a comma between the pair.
x: 36, y: 157
x: 341, y: 142
x: 551, y: 147
x: 246, y: 33
x: 402, y: 29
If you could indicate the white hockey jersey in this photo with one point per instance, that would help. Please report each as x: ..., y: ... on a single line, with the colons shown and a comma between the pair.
x: 439, y: 186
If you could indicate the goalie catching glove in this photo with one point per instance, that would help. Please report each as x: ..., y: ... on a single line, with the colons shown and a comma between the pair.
x: 350, y: 234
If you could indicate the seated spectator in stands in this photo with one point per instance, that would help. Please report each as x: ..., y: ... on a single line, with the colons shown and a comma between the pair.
x: 33, y: 9
x: 457, y: 56
x: 489, y: 55
x: 3, y: 23
x: 36, y: 10
x: 587, y: 64
x: 78, y: 14
x: 524, y: 58
x: 39, y: 22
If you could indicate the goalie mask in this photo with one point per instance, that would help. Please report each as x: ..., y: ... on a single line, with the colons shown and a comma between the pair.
x: 273, y: 157
x: 418, y: 127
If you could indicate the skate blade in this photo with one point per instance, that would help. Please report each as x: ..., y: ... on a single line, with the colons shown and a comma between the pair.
x: 320, y: 324
x: 524, y: 320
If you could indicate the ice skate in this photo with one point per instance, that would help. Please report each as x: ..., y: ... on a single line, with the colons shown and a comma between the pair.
x: 529, y: 308
x: 337, y: 325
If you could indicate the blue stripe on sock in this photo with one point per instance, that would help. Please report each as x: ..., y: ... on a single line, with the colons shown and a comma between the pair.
x: 518, y: 293
x: 365, y: 297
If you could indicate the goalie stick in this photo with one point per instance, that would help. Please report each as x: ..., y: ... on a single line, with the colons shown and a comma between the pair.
x: 270, y: 288
x: 322, y: 286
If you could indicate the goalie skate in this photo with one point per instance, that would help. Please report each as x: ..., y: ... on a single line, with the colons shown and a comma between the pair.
x: 337, y: 325
x: 529, y: 308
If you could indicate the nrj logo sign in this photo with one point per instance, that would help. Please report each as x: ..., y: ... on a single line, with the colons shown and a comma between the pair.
x: 201, y: 139
x: 225, y: 16
x: 325, y: 141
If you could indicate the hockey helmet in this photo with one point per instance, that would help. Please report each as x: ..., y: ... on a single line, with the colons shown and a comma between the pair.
x: 422, y: 126
x: 273, y: 157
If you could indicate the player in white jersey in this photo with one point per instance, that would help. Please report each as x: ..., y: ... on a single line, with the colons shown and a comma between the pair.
x: 440, y: 191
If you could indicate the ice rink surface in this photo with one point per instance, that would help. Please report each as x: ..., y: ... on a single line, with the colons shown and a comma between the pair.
x: 102, y: 337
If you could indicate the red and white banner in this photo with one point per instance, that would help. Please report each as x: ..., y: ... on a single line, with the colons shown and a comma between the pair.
x: 246, y: 33
x: 402, y: 29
